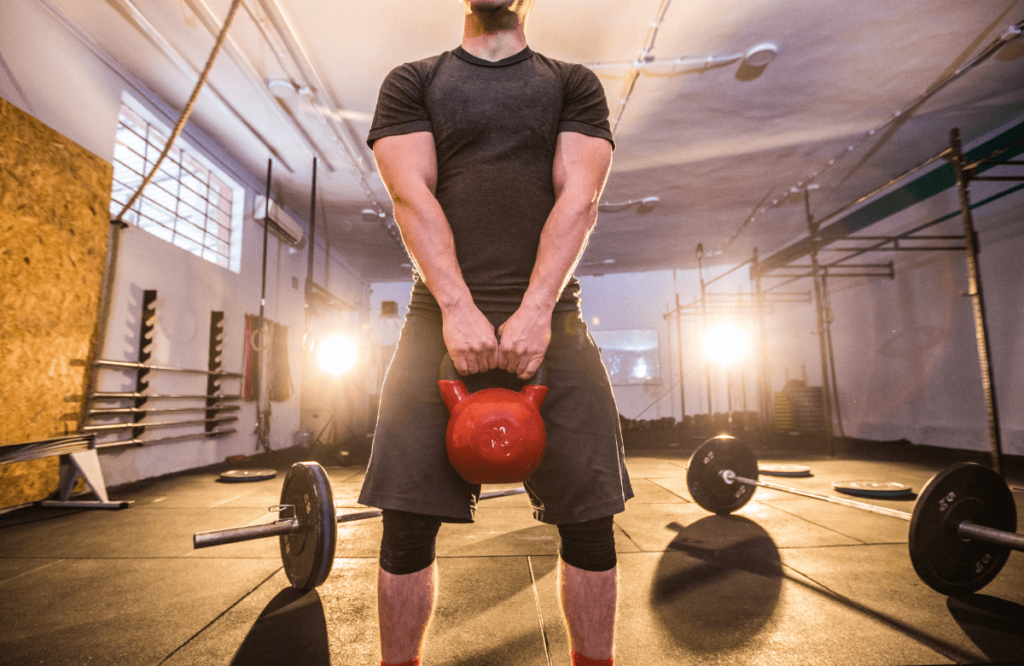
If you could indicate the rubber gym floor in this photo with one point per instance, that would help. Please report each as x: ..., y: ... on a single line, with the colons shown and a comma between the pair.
x: 785, y: 580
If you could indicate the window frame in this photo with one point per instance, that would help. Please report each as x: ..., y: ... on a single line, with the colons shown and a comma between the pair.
x: 186, y: 202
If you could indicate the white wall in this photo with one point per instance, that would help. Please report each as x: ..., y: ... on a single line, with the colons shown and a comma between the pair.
x: 48, y: 73
x: 906, y: 350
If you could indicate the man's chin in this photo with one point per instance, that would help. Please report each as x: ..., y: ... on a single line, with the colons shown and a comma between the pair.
x: 487, y: 6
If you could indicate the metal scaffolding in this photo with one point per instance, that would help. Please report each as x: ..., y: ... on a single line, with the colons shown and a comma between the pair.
x: 960, y: 172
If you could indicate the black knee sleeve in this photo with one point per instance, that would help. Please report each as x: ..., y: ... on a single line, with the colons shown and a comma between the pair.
x: 408, y: 542
x: 589, y: 546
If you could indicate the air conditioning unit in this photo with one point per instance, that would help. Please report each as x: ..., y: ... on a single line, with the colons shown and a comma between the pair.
x: 288, y: 228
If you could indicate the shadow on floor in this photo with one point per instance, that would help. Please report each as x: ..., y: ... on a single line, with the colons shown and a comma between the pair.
x: 509, y: 652
x: 995, y: 625
x: 717, y: 583
x: 290, y: 630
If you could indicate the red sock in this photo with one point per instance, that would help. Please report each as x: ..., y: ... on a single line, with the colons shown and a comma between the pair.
x: 414, y: 662
x: 579, y: 660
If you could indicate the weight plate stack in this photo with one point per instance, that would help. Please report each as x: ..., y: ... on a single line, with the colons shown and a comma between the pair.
x: 948, y: 564
x: 705, y: 482
x: 309, y: 553
x: 809, y: 410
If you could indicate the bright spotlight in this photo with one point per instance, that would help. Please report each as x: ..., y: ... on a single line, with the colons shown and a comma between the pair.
x: 725, y: 344
x: 336, y: 355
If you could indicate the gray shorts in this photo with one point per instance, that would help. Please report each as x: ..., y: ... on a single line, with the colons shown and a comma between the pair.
x: 583, y: 474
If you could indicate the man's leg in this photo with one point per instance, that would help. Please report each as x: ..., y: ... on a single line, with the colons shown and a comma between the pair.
x: 406, y: 584
x: 405, y: 605
x: 588, y: 587
x: 588, y: 602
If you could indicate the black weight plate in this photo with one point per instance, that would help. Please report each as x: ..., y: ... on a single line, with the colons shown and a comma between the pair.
x: 947, y: 563
x: 785, y: 470
x: 705, y: 483
x: 309, y: 553
x: 244, y: 475
x: 874, y: 489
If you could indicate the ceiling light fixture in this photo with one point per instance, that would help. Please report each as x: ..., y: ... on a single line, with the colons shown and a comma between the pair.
x: 761, y: 54
x: 282, y: 89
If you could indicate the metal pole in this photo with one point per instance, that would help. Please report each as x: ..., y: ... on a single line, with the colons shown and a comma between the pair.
x: 704, y: 312
x: 763, y: 377
x: 743, y: 389
x: 977, y: 299
x: 819, y: 308
x: 312, y: 230
x: 831, y: 355
x: 679, y: 341
x: 263, y: 415
x: 266, y: 228
x: 728, y: 394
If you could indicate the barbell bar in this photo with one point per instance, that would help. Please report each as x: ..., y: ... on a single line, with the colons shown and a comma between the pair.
x: 293, y: 525
x: 114, y: 411
x: 962, y: 529
x: 308, y: 537
x: 161, y: 424
x: 966, y: 529
x: 122, y: 395
x: 132, y: 365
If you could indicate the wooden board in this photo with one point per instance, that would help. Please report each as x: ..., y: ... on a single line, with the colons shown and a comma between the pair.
x: 54, y: 226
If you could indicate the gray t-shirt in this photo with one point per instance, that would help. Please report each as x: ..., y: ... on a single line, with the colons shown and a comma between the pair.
x: 495, y: 125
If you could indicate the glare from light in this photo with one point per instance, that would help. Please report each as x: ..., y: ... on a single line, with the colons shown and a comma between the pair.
x: 336, y: 355
x: 725, y: 344
x: 640, y: 370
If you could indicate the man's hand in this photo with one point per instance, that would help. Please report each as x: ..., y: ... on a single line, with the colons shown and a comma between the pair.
x: 470, y: 339
x: 524, y: 339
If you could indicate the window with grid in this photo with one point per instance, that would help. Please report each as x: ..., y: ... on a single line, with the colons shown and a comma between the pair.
x: 189, y: 202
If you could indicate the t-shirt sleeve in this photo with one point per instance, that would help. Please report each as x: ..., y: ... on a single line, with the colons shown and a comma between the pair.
x: 585, y: 109
x: 401, y: 107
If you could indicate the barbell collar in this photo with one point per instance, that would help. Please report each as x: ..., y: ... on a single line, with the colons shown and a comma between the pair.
x: 248, y: 533
x: 729, y: 477
x: 970, y: 530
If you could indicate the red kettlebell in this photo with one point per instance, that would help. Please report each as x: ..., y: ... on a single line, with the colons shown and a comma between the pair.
x: 494, y: 435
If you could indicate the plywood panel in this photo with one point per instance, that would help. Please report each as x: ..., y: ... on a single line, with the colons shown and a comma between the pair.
x: 54, y: 225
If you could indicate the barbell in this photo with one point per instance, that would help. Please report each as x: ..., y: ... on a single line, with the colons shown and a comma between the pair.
x: 306, y: 525
x: 962, y: 529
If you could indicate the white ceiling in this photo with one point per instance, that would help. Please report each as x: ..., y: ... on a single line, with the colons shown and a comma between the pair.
x: 712, y: 144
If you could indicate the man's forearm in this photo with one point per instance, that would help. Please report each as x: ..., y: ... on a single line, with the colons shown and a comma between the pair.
x: 428, y: 238
x: 562, y: 243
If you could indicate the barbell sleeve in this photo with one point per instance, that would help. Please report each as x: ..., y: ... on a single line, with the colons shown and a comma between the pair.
x: 236, y: 534
x: 970, y: 530
x: 729, y: 476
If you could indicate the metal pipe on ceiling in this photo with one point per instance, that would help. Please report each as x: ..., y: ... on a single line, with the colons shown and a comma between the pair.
x: 325, y: 108
x: 213, y: 25
x: 169, y: 51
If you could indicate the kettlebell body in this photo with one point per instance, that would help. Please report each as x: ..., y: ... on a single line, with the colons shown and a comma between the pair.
x: 494, y: 435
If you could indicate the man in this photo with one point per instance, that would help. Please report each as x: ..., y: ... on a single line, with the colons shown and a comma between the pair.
x: 495, y: 158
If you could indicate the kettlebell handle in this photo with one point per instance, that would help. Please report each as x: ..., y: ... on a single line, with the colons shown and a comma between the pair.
x: 447, y: 372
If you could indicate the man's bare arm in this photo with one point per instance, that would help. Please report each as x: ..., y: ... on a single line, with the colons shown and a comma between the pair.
x: 579, y: 174
x: 408, y: 166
